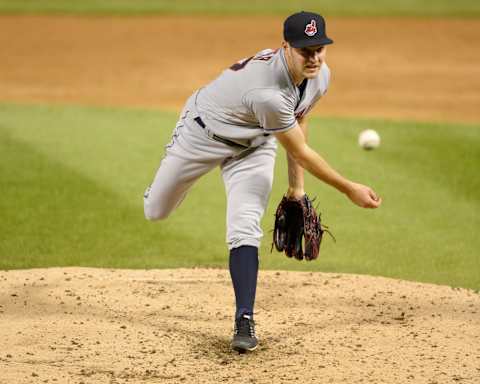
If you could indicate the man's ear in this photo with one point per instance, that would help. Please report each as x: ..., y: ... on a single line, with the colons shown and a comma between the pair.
x: 285, y: 44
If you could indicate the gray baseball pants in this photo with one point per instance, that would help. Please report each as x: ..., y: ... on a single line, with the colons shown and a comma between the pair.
x: 191, y: 154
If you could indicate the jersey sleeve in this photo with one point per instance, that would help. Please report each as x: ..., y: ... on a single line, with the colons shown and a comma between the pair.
x: 272, y: 109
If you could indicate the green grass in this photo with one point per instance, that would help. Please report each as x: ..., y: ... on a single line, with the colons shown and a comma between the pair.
x: 463, y: 8
x: 72, y: 181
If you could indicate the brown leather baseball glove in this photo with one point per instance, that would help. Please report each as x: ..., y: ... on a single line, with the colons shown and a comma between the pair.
x: 296, y: 220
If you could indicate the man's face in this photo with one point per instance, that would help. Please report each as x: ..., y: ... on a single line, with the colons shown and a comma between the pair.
x: 306, y: 62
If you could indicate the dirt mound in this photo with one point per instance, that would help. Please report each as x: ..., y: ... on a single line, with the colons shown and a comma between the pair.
x: 390, y: 68
x: 82, y: 325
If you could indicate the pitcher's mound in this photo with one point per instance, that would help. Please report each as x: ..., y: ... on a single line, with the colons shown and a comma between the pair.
x: 82, y: 325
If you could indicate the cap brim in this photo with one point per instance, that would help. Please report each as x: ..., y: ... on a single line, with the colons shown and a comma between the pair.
x: 309, y: 42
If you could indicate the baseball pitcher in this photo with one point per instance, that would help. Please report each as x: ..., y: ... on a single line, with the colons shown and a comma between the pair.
x: 235, y: 123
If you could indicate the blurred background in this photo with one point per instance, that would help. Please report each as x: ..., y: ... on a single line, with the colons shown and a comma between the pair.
x: 90, y: 92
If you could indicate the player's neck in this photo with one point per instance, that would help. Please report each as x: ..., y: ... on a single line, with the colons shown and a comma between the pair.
x: 297, y: 80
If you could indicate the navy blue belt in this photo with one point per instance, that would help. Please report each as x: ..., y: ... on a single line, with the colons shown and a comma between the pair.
x: 221, y: 139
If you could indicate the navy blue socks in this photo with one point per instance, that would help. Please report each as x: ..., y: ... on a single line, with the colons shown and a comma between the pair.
x: 244, y: 270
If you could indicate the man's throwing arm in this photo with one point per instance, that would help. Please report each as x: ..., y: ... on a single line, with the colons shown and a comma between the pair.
x: 297, y: 148
x: 296, y: 187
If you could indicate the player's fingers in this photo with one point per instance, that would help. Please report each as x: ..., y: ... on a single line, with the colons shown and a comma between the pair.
x: 375, y: 203
x: 372, y: 200
x: 372, y: 194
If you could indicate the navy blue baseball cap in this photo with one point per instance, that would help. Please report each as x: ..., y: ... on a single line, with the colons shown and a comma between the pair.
x: 304, y: 29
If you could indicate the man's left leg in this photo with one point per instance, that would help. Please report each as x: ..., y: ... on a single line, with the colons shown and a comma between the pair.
x: 248, y: 183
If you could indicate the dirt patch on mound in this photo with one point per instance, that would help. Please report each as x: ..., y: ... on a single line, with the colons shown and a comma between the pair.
x: 79, y: 325
x: 393, y: 68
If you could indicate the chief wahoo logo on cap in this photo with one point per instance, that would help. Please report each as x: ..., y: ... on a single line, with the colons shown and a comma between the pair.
x: 311, y: 28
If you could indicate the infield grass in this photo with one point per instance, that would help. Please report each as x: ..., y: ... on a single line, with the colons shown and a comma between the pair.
x: 72, y: 181
x: 432, y: 8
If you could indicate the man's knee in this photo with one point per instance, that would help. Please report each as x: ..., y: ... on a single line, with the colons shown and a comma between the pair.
x: 154, y: 212
x: 155, y: 215
x: 244, y: 229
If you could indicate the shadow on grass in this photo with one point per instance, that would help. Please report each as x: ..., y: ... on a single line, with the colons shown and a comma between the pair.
x: 53, y: 215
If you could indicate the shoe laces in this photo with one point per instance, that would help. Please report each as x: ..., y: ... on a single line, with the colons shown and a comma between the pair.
x: 245, y: 326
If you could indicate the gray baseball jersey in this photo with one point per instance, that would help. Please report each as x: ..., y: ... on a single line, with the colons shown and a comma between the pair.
x: 257, y: 96
x: 250, y: 100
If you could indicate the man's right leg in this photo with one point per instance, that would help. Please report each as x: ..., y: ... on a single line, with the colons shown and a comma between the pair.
x: 172, y: 181
x: 189, y: 155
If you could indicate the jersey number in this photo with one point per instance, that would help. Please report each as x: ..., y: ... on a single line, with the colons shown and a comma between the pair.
x: 243, y: 63
x: 240, y: 64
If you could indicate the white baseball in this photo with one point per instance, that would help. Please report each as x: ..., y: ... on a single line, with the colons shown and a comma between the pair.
x: 369, y: 139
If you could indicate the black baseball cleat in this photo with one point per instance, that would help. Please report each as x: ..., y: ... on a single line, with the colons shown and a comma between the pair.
x: 244, y: 335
